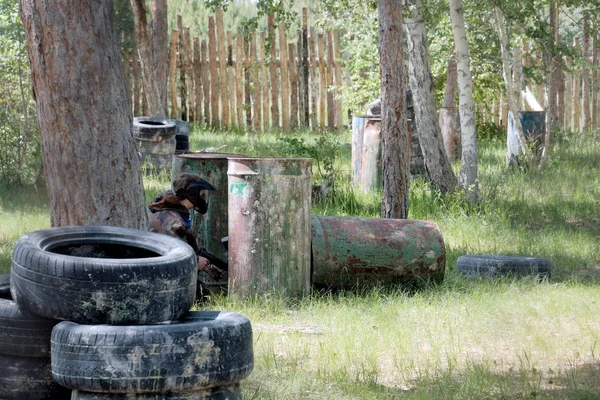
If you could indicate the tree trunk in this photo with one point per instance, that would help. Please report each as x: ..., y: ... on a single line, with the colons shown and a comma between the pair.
x: 551, y: 109
x: 468, y: 171
x: 451, y: 83
x: 395, y: 157
x: 585, y: 77
x: 512, y: 80
x: 156, y: 104
x: 426, y: 121
x: 92, y: 167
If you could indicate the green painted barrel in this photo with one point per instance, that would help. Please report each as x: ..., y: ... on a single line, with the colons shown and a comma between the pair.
x: 351, y: 252
x: 213, y: 225
x: 269, y: 226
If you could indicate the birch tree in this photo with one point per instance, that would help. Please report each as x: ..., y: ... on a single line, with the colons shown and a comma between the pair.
x: 395, y: 140
x: 466, y: 108
x: 91, y: 165
x: 426, y: 117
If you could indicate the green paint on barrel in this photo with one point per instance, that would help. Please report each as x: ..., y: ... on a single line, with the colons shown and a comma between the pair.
x: 213, y: 225
x: 269, y: 226
x: 352, y: 251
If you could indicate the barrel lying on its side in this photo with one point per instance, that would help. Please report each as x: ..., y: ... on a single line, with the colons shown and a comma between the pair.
x: 352, y: 251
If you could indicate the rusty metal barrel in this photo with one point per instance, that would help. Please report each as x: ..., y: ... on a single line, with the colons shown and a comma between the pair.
x: 213, y: 225
x: 269, y: 226
x: 351, y: 252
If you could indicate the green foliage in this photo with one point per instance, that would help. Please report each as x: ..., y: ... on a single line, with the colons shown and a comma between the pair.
x: 20, y: 160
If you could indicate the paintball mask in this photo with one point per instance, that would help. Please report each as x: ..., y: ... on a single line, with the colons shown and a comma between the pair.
x: 192, y: 193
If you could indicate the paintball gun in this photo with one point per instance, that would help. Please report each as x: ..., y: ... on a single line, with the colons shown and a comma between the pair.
x: 221, y: 266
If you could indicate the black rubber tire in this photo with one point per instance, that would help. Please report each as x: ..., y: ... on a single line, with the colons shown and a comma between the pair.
x: 183, y: 144
x: 22, y: 333
x: 153, y: 128
x: 5, y: 286
x: 491, y: 266
x: 232, y: 392
x: 29, y: 378
x: 104, y: 275
x: 205, y: 349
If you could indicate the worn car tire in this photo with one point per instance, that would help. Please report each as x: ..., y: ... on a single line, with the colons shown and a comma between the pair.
x: 22, y: 333
x: 29, y: 378
x: 494, y: 266
x: 5, y: 286
x: 104, y: 275
x: 232, y: 392
x: 203, y: 350
x: 153, y: 128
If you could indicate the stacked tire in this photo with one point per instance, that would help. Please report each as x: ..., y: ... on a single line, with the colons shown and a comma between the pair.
x: 155, y: 139
x: 124, y: 296
x: 25, y: 368
x: 182, y: 136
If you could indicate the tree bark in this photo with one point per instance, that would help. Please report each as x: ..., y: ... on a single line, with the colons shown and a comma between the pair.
x: 395, y: 156
x: 426, y: 122
x: 451, y: 83
x: 92, y: 167
x: 552, y: 85
x: 585, y: 77
x: 156, y: 105
x: 468, y: 171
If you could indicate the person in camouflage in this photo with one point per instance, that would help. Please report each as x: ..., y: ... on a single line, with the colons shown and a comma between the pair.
x: 170, y: 213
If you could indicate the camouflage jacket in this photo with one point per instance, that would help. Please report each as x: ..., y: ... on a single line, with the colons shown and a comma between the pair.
x: 170, y: 218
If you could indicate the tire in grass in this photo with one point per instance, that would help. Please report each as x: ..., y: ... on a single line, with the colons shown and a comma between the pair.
x: 104, y: 275
x: 22, y: 333
x: 203, y: 350
x: 29, y: 378
x: 491, y: 266
x: 232, y: 392
x: 153, y: 128
x: 5, y: 286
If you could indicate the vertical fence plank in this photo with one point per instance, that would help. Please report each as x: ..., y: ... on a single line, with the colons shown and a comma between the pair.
x: 214, y: 78
x: 173, y: 72
x: 331, y: 108
x: 322, y: 80
x: 337, y: 59
x: 231, y: 80
x: 239, y: 89
x: 594, y: 76
x: 197, y: 70
x: 304, y: 75
x: 181, y: 66
x: 257, y: 101
x: 247, y: 81
x: 293, y: 87
x: 314, y: 83
x: 285, y: 83
x: 273, y: 72
x: 223, y: 93
x: 136, y: 86
x: 205, y: 80
x: 189, y: 58
x: 264, y: 80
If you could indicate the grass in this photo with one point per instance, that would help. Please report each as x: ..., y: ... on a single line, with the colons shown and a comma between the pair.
x: 461, y: 339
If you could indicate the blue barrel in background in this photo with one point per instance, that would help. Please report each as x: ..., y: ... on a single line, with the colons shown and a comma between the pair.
x: 534, y: 124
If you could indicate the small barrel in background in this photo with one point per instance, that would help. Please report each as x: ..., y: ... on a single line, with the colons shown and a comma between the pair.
x: 182, y: 136
x: 351, y: 252
x: 534, y: 125
x: 212, y: 226
x: 269, y: 226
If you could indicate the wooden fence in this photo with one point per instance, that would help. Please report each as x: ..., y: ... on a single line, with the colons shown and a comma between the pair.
x: 255, y: 82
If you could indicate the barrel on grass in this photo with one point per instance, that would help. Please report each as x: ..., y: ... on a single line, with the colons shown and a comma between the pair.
x: 534, y: 126
x: 269, y: 226
x: 155, y: 141
x: 353, y: 252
